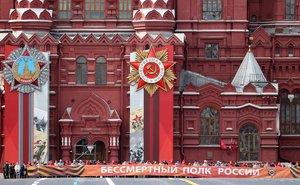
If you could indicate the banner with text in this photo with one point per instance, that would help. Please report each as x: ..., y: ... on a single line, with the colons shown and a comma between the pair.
x: 164, y: 171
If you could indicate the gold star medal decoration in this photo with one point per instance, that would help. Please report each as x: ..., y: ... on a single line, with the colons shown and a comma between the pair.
x: 152, y: 70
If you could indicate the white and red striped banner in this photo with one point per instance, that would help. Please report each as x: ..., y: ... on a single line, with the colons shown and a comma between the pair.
x: 153, y: 96
x: 20, y: 107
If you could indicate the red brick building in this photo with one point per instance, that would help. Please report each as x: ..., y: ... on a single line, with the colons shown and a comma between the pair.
x: 90, y: 42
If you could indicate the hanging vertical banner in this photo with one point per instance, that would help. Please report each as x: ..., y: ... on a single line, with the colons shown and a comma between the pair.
x: 136, y: 121
x: 41, y: 122
x: 151, y: 71
x: 26, y: 70
x: 11, y: 118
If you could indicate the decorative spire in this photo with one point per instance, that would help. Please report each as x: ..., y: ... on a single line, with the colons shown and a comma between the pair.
x: 249, y: 72
x: 250, y: 39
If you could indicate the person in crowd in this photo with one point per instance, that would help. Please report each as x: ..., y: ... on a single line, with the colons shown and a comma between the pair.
x: 21, y: 171
x: 81, y: 163
x: 25, y: 174
x: 196, y: 163
x: 67, y: 163
x: 99, y: 163
x: 60, y: 163
x: 244, y: 165
x: 51, y: 163
x: 17, y: 170
x: 6, y: 170
x: 279, y: 164
x: 218, y: 163
x: 205, y: 163
x: 230, y: 164
x: 74, y: 163
x: 267, y: 164
x: 11, y: 171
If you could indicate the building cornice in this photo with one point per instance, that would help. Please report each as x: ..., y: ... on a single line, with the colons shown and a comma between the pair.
x: 251, y: 105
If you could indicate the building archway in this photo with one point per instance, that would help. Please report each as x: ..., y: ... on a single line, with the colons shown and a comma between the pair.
x: 249, y: 143
x: 100, y: 151
x: 93, y: 119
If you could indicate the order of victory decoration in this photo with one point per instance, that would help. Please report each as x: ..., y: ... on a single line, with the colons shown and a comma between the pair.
x: 26, y: 69
x: 152, y: 70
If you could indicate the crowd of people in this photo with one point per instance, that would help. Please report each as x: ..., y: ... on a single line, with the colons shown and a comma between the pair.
x: 12, y: 171
x: 17, y: 170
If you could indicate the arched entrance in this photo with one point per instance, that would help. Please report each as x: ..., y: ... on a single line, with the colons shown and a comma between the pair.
x: 90, y: 119
x: 249, y: 143
x: 83, y: 151
x: 100, y: 151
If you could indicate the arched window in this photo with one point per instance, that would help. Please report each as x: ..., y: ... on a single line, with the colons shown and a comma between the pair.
x: 101, y: 71
x: 249, y: 146
x: 80, y: 148
x: 210, y: 127
x: 277, y: 51
x: 94, y: 9
x: 290, y: 113
x: 125, y: 9
x: 290, y: 9
x: 81, y: 70
x: 212, y: 9
x: 64, y: 9
x: 290, y: 51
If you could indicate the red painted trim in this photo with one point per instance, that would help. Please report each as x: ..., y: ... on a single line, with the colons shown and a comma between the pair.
x: 11, y: 119
x: 151, y: 114
x: 156, y: 138
x: 166, y: 120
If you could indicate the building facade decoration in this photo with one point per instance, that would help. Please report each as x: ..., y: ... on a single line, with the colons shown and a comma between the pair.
x: 210, y: 40
x: 26, y: 70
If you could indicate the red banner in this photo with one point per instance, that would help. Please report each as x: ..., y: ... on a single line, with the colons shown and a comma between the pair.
x: 11, y: 119
x: 164, y: 171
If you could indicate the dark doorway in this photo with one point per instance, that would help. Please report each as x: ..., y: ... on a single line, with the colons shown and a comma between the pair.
x: 249, y: 143
x: 100, y: 151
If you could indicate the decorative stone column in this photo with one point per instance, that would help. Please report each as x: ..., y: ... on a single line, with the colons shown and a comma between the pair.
x: 114, y: 139
x: 66, y: 134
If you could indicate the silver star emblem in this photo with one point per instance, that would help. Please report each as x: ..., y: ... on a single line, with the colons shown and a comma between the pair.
x: 26, y: 69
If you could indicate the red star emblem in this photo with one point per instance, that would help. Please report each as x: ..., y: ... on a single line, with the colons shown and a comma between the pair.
x: 137, y: 118
x: 152, y: 70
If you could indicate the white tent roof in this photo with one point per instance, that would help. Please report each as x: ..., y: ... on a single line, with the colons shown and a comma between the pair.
x: 248, y: 72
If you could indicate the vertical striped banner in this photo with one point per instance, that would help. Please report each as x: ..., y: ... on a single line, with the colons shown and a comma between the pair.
x: 165, y: 119
x: 40, y: 130
x: 157, y: 117
x: 158, y: 133
x: 136, y: 121
x: 11, y: 119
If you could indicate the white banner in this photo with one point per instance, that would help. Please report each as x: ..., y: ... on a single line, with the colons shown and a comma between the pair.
x: 41, y: 122
x: 136, y: 121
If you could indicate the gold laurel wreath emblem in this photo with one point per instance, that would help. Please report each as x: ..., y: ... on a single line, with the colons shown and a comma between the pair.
x: 151, y: 88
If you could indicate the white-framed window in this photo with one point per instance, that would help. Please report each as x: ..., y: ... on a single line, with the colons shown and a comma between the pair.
x: 290, y: 9
x: 94, y: 9
x: 212, y: 9
x: 64, y: 9
x: 125, y: 9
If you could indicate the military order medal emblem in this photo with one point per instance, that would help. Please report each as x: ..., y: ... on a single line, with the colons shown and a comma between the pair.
x: 26, y: 69
x: 152, y: 70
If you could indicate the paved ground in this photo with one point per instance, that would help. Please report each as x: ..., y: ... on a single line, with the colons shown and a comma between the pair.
x: 147, y: 181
